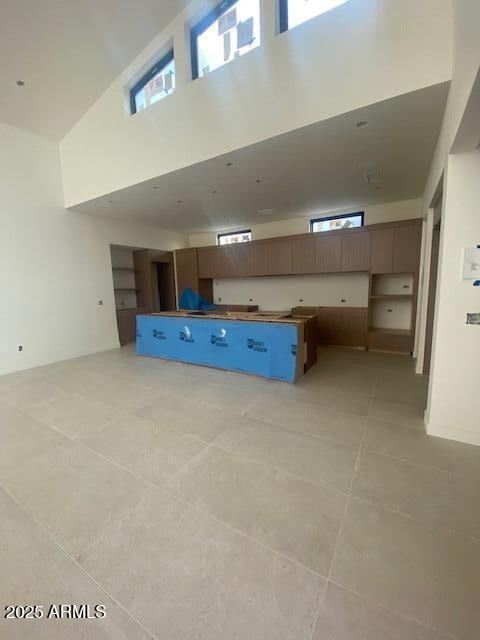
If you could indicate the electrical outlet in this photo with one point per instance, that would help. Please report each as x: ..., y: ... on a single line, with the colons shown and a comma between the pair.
x: 100, y: 303
x: 20, y: 347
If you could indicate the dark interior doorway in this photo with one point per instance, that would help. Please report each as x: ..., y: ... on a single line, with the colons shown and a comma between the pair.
x: 432, y: 292
x: 165, y: 286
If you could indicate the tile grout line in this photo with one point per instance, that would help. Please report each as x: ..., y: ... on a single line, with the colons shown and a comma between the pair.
x: 165, y: 490
x: 379, y: 605
x: 329, y: 579
x: 79, y: 566
x: 337, y: 542
x: 208, y: 444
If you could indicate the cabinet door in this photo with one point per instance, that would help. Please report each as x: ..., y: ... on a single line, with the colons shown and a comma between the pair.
x: 279, y: 257
x: 230, y: 261
x: 382, y: 251
x: 186, y: 269
x: 406, y: 249
x: 257, y: 259
x: 328, y: 253
x: 206, y: 262
x: 356, y: 251
x: 303, y: 255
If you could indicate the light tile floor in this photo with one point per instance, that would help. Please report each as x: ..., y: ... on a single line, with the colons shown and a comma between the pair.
x: 198, y: 504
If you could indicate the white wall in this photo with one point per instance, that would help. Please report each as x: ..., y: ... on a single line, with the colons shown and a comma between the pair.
x: 54, y: 265
x: 360, y: 53
x: 466, y: 64
x: 466, y: 61
x: 454, y: 400
x: 279, y: 293
x: 387, y: 212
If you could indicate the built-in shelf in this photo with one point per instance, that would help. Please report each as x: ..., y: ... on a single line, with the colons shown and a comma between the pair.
x: 392, y: 296
x: 390, y: 332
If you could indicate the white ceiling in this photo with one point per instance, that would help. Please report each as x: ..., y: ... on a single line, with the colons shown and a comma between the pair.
x: 314, y: 169
x: 68, y: 52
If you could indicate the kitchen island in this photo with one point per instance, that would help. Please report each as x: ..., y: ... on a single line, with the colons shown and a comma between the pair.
x: 272, y: 345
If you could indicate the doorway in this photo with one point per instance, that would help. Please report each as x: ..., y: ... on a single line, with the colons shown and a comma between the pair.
x: 165, y: 286
x: 432, y: 287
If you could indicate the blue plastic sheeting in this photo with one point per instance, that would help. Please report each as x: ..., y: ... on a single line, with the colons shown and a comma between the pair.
x: 191, y: 301
x: 260, y: 348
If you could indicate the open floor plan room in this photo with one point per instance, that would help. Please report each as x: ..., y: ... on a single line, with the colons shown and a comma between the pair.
x: 239, y: 320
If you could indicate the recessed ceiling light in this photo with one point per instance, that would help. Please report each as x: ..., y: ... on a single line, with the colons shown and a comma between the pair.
x: 258, y: 180
x: 214, y: 191
x: 361, y: 124
x: 155, y: 187
x: 20, y: 83
x: 229, y: 164
x: 265, y: 212
x: 179, y: 201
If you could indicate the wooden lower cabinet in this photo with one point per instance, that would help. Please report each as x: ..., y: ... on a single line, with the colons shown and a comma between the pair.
x: 340, y: 326
x: 390, y: 340
x: 343, y: 326
x: 127, y: 324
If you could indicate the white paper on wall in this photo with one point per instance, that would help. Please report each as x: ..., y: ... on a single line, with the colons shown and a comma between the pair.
x: 471, y: 263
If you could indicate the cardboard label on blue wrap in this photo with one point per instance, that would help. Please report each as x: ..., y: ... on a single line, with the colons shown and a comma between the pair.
x: 260, y: 348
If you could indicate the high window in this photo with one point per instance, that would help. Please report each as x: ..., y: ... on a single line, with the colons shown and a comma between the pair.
x: 235, y: 237
x: 294, y: 12
x: 156, y: 84
x: 332, y: 223
x: 227, y: 32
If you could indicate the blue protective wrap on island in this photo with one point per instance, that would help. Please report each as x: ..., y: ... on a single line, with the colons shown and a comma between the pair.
x: 192, y: 301
x: 260, y: 348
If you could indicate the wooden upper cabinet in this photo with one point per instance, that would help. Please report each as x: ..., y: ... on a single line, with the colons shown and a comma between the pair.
x: 269, y: 257
x: 406, y: 249
x: 279, y: 257
x: 206, y: 262
x: 256, y: 259
x: 226, y: 261
x: 328, y: 252
x: 231, y: 261
x: 303, y: 255
x: 356, y: 250
x: 187, y: 269
x: 382, y: 251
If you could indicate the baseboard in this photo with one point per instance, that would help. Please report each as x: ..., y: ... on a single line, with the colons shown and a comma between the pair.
x: 465, y: 435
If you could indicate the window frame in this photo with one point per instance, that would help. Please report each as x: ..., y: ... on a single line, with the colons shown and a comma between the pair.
x: 339, y: 216
x: 233, y: 233
x: 151, y: 73
x: 283, y: 16
x: 199, y: 28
